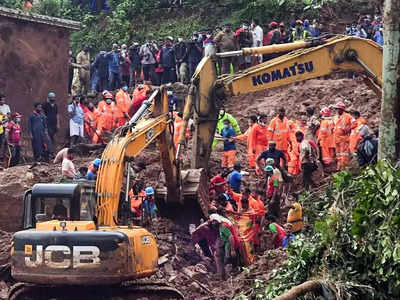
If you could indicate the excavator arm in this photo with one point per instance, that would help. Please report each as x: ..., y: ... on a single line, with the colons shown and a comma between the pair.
x: 128, y: 143
x: 307, y: 60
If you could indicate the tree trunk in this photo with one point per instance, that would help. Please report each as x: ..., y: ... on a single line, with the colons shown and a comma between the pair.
x: 389, y: 124
x: 300, y: 290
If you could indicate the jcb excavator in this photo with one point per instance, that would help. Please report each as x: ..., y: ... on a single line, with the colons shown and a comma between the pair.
x: 64, y: 259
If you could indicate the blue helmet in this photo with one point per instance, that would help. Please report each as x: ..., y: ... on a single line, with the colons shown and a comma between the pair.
x: 149, y: 191
x: 97, y: 162
x: 51, y: 95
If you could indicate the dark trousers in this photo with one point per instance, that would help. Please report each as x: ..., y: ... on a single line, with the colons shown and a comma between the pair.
x: 15, y: 152
x: 192, y: 68
x: 274, y: 207
x: 102, y: 84
x: 115, y: 81
x: 41, y: 146
x: 156, y: 80
x: 3, y: 144
x: 169, y: 75
x: 126, y: 79
x: 308, y: 169
x: 148, y: 72
x: 52, y: 132
x: 70, y: 77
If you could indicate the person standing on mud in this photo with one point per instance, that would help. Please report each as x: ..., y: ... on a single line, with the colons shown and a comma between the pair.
x: 13, y: 136
x: 81, y: 80
x: 50, y: 110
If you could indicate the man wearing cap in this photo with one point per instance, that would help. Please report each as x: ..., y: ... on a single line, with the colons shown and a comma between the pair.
x: 226, y: 41
x: 245, y: 40
x: 273, y: 36
x: 13, y: 137
x: 342, y: 135
x: 4, y: 116
x: 50, y: 110
x: 168, y: 62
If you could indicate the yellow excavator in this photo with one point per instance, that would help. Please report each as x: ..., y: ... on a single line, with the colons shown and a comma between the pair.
x: 88, y: 254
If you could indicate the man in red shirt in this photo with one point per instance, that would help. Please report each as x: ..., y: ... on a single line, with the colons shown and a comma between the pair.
x: 13, y: 135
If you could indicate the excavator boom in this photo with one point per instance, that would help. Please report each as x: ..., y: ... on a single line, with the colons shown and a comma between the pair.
x: 308, y: 59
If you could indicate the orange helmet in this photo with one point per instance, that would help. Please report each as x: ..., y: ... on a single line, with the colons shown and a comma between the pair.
x: 326, y: 112
x: 108, y: 95
x: 340, y: 105
x: 299, y: 22
x: 273, y: 24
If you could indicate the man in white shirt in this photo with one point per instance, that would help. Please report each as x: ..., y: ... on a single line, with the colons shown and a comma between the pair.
x: 258, y: 35
x: 68, y: 170
x: 5, y: 111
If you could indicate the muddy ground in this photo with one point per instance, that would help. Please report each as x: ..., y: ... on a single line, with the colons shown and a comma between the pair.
x: 183, y: 265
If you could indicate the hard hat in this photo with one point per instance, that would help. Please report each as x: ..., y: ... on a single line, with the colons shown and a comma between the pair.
x: 340, y: 105
x: 269, y: 169
x: 16, y: 115
x: 97, y: 162
x: 281, y: 24
x: 51, y: 95
x: 149, y: 191
x: 273, y: 23
x: 306, y: 23
x: 104, y: 92
x: 108, y: 95
x: 299, y: 22
x: 326, y: 112
x: 170, y: 38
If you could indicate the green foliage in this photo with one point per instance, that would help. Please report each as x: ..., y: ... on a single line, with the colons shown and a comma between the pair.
x: 355, y: 242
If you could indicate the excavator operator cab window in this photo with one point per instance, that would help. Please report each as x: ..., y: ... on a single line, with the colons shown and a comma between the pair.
x: 48, y: 208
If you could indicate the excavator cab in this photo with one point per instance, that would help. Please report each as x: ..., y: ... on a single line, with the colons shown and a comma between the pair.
x: 63, y: 201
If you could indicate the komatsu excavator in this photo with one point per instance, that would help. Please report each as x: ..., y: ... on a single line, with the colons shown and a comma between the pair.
x: 88, y: 254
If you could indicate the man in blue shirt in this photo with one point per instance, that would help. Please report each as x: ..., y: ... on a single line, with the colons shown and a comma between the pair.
x: 235, y: 178
x: 114, y: 60
x: 76, y: 117
x: 229, y: 152
x: 168, y: 62
x: 378, y: 36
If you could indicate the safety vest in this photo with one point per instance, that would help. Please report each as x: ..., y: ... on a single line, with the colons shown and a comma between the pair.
x: 342, y: 127
x: 326, y: 133
x: 279, y: 132
x: 123, y: 101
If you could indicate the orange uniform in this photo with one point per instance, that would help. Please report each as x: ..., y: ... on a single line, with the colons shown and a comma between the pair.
x: 355, y: 137
x: 257, y: 206
x: 326, y: 139
x: 178, y: 125
x: 90, y: 124
x: 259, y: 141
x: 342, y: 139
x: 123, y: 102
x: 248, y: 135
x: 294, y: 154
x: 107, y: 120
x: 279, y: 131
x: 136, y: 201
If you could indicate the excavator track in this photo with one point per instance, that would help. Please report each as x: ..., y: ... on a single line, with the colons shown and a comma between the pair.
x: 125, y: 291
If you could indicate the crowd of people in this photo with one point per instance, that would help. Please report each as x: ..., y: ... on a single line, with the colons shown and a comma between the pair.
x: 367, y: 27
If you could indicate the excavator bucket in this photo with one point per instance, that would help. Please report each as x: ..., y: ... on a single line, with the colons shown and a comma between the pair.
x: 191, y: 204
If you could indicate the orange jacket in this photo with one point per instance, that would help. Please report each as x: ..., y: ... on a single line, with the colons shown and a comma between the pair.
x: 136, y: 200
x: 108, y: 118
x: 247, y: 136
x: 123, y: 101
x: 140, y: 95
x: 90, y: 121
x: 278, y: 131
x: 258, y: 207
x: 258, y: 136
x: 355, y: 137
x: 326, y: 133
x: 343, y: 128
x: 178, y: 125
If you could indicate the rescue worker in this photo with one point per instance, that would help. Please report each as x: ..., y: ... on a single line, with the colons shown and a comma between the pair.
x: 326, y: 137
x: 137, y: 200
x: 355, y: 137
x: 271, y: 38
x: 298, y: 32
x: 248, y: 135
x: 92, y: 170
x: 226, y: 41
x: 294, y: 167
x: 342, y: 136
x: 37, y: 127
x: 229, y: 151
x: 295, y: 217
x: 13, y: 137
x: 123, y: 102
x: 108, y: 119
x: 81, y: 80
x: 223, y: 115
x: 139, y: 95
x: 178, y: 125
x: 90, y: 122
x: 278, y: 131
x: 259, y: 138
x: 149, y: 205
x: 308, y: 159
